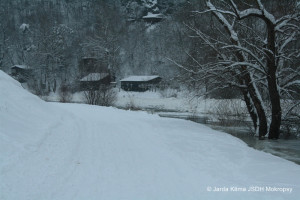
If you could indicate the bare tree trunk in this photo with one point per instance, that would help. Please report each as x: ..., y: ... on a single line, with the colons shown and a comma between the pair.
x: 274, y: 130
x: 250, y: 108
x: 257, y: 103
x: 276, y: 107
x: 263, y: 125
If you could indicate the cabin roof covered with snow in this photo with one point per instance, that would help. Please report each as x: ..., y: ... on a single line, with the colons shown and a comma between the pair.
x: 94, y: 77
x: 87, y: 57
x: 20, y: 66
x: 24, y: 27
x: 140, y: 78
x: 151, y: 16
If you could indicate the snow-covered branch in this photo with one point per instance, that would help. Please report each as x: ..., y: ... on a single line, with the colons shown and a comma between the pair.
x: 261, y: 69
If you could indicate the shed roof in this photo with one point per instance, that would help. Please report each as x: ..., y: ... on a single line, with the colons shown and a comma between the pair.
x: 153, y: 16
x: 20, y: 66
x: 139, y: 78
x: 94, y: 77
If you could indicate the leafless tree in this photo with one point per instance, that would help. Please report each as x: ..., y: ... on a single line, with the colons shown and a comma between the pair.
x: 253, y: 49
x: 104, y: 96
x: 65, y: 93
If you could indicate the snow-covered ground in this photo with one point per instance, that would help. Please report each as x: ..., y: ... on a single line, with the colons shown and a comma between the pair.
x: 76, y: 151
x: 158, y: 101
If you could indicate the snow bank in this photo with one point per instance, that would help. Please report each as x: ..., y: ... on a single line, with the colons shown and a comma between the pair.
x: 71, y: 151
x: 20, y: 113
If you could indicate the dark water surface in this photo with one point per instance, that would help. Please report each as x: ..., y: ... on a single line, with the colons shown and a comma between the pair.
x: 288, y: 149
x: 285, y: 148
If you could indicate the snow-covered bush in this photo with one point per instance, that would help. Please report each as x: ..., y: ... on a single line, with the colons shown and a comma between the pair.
x: 104, y: 96
x: 168, y: 93
x: 230, y: 112
x: 291, y: 118
x: 65, y: 94
x: 131, y: 105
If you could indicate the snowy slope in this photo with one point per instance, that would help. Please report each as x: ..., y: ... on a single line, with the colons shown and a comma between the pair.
x: 70, y: 151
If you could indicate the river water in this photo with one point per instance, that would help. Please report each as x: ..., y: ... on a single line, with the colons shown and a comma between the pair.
x: 288, y: 149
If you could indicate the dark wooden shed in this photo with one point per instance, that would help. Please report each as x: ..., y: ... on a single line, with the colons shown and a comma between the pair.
x: 21, y: 73
x: 140, y: 83
x: 89, y: 65
x: 94, y: 80
x: 153, y: 18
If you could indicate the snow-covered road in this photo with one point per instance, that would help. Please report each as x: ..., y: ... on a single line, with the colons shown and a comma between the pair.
x: 74, y: 151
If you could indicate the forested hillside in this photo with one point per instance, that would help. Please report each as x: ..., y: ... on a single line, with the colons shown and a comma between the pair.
x: 52, y: 36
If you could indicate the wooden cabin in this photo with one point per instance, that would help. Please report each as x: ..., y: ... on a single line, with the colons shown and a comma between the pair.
x: 94, y: 80
x: 140, y: 83
x: 21, y: 73
x: 153, y: 18
x: 89, y: 65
